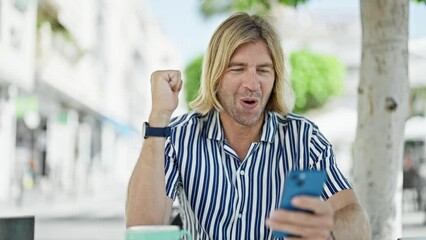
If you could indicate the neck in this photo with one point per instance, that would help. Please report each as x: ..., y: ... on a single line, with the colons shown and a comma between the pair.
x: 239, y: 136
x: 236, y: 133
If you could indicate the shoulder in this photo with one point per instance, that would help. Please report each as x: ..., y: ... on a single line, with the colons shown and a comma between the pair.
x: 299, y: 126
x: 186, y: 128
x: 295, y: 120
x: 188, y: 119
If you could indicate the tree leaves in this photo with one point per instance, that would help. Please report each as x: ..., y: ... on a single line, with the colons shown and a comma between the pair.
x: 293, y: 3
x: 315, y: 78
x: 261, y: 7
x: 192, y: 79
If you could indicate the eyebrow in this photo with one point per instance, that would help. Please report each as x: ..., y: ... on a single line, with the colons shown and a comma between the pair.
x: 240, y: 64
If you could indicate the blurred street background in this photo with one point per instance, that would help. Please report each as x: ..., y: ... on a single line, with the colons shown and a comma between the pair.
x: 75, y: 90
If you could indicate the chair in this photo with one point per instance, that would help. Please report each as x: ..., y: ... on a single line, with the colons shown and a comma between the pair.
x: 19, y: 227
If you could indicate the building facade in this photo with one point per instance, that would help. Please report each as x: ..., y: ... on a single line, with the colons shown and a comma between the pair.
x: 74, y: 91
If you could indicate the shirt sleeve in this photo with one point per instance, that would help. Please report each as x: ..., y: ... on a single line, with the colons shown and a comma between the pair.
x: 322, y: 154
x: 171, y: 169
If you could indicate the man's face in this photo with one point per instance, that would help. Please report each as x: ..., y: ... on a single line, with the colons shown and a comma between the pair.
x: 247, y: 83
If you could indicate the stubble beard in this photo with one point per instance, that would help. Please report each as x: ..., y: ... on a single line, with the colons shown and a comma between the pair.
x: 242, y: 116
x: 247, y: 120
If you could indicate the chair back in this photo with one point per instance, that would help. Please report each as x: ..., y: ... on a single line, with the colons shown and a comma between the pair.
x: 20, y: 227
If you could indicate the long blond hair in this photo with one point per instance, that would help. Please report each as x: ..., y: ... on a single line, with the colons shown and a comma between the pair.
x: 238, y: 29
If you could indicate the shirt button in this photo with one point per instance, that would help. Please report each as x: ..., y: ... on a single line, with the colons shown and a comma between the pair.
x: 242, y: 172
x: 240, y: 215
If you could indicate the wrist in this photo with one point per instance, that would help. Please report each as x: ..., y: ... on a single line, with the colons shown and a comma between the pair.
x: 148, y: 131
x: 157, y: 119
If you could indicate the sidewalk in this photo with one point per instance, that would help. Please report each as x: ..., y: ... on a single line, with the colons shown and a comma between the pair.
x: 109, y: 204
x: 95, y: 216
x: 413, y: 224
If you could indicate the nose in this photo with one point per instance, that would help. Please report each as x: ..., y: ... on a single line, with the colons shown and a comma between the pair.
x: 251, y: 80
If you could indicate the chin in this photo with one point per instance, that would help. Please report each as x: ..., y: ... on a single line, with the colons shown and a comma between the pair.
x: 248, y: 120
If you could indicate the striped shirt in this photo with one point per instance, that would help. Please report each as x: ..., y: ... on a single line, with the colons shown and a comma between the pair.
x: 222, y: 197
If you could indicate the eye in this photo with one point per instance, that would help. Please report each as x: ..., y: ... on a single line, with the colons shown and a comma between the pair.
x: 235, y: 69
x: 264, y: 70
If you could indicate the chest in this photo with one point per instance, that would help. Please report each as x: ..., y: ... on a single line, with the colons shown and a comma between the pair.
x: 218, y: 189
x: 212, y: 171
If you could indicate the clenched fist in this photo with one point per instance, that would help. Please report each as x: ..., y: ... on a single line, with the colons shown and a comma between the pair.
x: 165, y: 88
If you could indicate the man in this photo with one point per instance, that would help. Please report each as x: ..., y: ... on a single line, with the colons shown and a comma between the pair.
x: 227, y: 161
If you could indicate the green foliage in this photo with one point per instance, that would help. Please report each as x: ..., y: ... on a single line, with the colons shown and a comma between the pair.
x: 43, y: 16
x: 315, y: 78
x: 261, y: 7
x: 418, y: 101
x: 211, y: 7
x: 70, y: 47
x: 192, y: 79
x: 293, y: 3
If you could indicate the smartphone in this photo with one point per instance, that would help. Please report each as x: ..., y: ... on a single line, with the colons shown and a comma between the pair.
x: 300, y: 182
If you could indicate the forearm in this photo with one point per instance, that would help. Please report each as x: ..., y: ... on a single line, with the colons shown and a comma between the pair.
x: 147, y: 203
x: 351, y: 222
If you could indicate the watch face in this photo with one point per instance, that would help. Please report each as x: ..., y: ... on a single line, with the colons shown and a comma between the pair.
x: 144, y: 126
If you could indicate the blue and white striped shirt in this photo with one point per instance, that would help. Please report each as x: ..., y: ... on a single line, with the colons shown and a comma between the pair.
x: 222, y: 197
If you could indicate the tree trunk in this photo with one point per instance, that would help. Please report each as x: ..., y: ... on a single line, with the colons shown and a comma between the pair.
x: 382, y: 111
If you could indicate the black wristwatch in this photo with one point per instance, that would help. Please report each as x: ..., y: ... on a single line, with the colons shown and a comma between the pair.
x: 148, y: 131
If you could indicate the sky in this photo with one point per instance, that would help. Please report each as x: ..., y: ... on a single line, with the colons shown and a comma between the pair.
x: 185, y: 25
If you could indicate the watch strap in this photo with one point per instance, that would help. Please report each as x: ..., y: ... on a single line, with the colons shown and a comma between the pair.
x: 156, y: 131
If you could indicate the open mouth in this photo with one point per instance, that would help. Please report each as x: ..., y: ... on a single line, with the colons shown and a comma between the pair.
x: 249, y: 103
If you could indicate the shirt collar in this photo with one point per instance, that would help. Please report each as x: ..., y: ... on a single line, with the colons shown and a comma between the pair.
x: 270, y: 127
x: 215, y: 129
